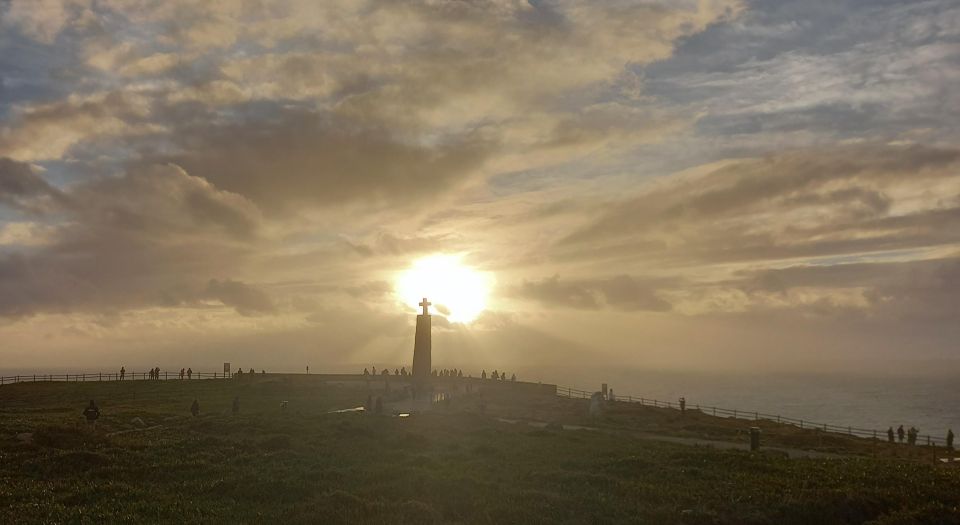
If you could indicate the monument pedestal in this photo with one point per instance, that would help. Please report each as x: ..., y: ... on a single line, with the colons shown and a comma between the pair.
x: 421, y: 346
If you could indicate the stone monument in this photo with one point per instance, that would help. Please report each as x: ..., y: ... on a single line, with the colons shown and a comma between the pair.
x: 421, y: 345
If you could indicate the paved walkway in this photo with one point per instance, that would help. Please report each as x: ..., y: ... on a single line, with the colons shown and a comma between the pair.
x: 724, y: 445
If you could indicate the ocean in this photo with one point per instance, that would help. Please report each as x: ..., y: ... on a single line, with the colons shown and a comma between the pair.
x: 929, y: 402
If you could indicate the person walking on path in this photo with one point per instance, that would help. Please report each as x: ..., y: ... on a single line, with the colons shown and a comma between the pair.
x: 183, y: 372
x: 900, y: 433
x: 189, y: 373
x: 890, y: 435
x: 123, y: 372
x: 92, y: 413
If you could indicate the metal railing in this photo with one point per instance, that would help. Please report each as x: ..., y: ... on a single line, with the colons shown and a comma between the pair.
x: 110, y: 376
x: 754, y: 416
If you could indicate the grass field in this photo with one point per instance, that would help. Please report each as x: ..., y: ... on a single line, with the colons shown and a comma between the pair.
x: 150, y: 461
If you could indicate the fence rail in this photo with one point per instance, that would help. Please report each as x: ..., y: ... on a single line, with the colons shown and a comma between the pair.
x: 109, y: 376
x: 754, y: 416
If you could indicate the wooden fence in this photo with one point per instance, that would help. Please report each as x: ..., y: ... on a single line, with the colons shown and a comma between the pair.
x: 108, y: 376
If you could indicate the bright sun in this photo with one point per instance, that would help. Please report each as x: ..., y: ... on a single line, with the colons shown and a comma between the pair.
x: 456, y: 290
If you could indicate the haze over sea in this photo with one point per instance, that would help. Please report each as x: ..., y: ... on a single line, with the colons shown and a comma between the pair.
x: 929, y: 401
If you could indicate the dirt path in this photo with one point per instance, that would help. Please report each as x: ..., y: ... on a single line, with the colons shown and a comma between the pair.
x: 723, y: 445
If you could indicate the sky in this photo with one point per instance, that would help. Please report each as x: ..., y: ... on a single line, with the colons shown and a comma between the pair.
x: 675, y: 184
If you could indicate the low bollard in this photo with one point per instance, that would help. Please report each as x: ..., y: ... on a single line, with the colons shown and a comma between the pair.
x: 754, y: 439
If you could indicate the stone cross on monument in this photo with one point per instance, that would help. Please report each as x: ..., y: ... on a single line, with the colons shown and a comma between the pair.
x: 421, y: 344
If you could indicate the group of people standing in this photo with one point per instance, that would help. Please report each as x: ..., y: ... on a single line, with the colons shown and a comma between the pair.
x: 498, y: 376
x: 443, y: 372
x: 402, y: 371
x: 154, y: 373
x: 911, y: 435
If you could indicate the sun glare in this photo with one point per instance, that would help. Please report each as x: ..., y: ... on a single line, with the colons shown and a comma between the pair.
x: 456, y: 290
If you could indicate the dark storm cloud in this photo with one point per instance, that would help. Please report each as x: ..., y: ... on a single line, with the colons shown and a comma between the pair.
x: 619, y: 293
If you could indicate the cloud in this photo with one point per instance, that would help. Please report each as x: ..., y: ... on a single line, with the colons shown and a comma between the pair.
x: 385, y: 103
x: 815, y: 203
x: 620, y: 293
x: 49, y: 131
x: 247, y: 299
x: 149, y: 237
x: 23, y: 188
x: 302, y: 158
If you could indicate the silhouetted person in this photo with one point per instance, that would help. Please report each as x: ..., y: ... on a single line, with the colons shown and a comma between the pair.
x: 239, y: 372
x: 950, y: 439
x: 683, y: 405
x: 513, y: 377
x: 379, y: 406
x: 459, y: 373
x: 403, y: 371
x: 890, y: 435
x: 195, y: 408
x: 900, y: 433
x: 123, y: 372
x: 92, y: 413
x: 396, y: 372
x: 158, y: 372
x: 189, y: 373
x: 262, y: 371
x: 912, y: 436
x: 183, y: 372
x: 308, y: 369
x: 483, y: 375
x: 374, y: 371
x: 236, y: 404
x: 252, y: 371
x: 366, y: 372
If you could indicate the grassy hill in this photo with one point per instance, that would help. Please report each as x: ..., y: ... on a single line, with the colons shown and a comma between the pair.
x: 150, y: 461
